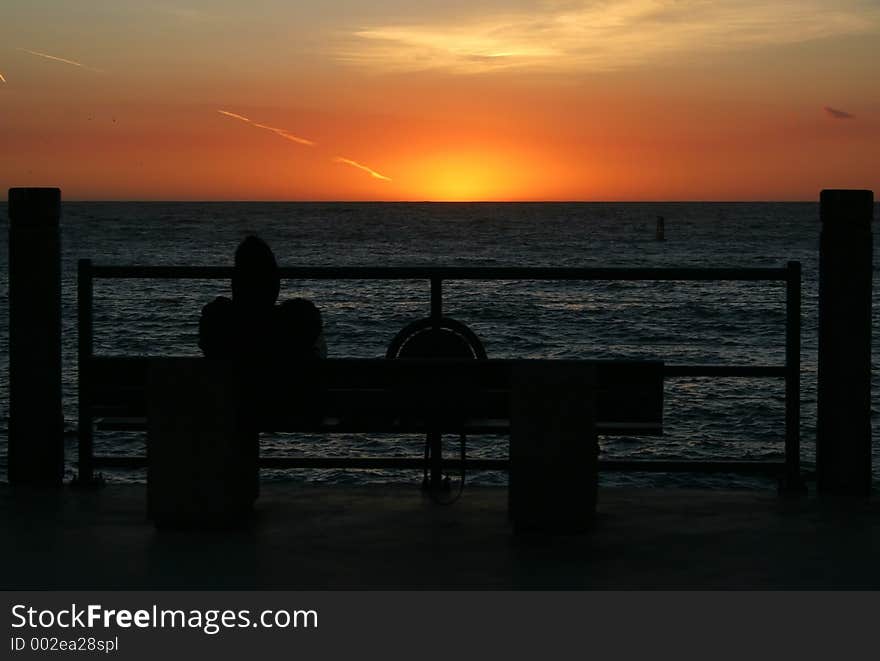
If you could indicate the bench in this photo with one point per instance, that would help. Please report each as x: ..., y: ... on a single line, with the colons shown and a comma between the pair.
x: 542, y: 404
x: 357, y: 393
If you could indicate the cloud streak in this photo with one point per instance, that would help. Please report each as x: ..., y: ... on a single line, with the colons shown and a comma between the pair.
x: 834, y: 113
x: 2, y: 79
x: 361, y: 166
x: 287, y: 135
x: 59, y: 59
x: 586, y: 35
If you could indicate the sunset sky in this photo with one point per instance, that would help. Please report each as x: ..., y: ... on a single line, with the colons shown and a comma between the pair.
x: 440, y: 99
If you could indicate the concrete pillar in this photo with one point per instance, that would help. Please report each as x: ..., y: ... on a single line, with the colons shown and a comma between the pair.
x: 843, y: 429
x: 36, y: 424
x: 553, y: 447
x: 201, y: 466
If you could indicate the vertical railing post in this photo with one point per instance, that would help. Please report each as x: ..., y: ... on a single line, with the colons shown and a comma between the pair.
x: 36, y: 420
x: 843, y: 425
x: 792, y: 481
x: 435, y: 439
x: 436, y: 299
x: 85, y: 427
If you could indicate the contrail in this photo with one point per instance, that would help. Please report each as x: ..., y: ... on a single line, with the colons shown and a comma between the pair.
x: 232, y: 114
x: 287, y: 135
x: 58, y: 59
x: 361, y: 166
x: 2, y: 79
x: 303, y: 141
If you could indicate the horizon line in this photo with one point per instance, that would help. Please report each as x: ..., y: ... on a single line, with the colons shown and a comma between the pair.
x: 422, y: 201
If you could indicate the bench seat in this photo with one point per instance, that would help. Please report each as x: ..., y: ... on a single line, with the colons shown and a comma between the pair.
x: 369, y: 395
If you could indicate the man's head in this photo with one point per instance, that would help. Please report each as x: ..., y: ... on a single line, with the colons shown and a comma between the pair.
x: 255, y: 282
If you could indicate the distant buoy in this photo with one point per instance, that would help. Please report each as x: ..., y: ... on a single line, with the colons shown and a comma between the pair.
x: 661, y: 228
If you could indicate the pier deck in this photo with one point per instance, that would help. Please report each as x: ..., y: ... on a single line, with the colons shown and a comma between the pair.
x: 316, y: 537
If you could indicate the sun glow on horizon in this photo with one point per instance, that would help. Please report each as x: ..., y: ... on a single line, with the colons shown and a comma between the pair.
x: 451, y: 185
x: 468, y: 177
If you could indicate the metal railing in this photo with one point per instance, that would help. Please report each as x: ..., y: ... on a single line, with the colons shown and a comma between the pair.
x: 789, y: 470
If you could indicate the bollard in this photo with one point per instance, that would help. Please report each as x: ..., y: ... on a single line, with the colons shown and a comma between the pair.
x: 553, y: 448
x: 843, y: 428
x: 202, y: 468
x: 36, y: 424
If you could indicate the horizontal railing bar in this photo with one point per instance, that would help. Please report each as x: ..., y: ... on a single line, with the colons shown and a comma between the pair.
x: 670, y: 371
x: 768, y: 371
x: 610, y: 465
x: 448, y: 273
x: 695, y: 466
x: 483, y: 427
x: 402, y: 463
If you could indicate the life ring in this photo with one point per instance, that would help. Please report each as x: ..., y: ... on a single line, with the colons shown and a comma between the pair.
x: 438, y: 338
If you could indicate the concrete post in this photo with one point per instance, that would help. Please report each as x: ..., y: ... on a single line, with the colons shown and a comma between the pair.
x: 553, y: 447
x: 843, y: 429
x: 36, y: 424
x: 202, y: 469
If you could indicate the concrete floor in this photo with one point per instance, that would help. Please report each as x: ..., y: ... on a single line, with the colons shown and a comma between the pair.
x: 317, y: 537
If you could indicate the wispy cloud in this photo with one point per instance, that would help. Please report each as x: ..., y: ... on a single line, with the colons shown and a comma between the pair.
x: 598, y: 35
x: 63, y: 60
x: 287, y: 135
x: 361, y: 166
x: 838, y: 114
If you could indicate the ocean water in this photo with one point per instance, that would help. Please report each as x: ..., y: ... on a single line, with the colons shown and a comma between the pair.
x: 679, y: 322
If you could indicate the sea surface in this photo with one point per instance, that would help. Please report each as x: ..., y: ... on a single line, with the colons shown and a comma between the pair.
x: 741, y: 323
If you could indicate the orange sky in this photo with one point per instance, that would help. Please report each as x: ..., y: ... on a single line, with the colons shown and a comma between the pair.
x: 454, y: 100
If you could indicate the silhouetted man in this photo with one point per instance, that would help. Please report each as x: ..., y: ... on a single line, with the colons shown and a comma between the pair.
x: 251, y: 330
x: 250, y: 325
x: 243, y: 329
x: 245, y: 325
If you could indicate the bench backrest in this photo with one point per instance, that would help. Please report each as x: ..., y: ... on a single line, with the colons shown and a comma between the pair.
x: 390, y: 395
